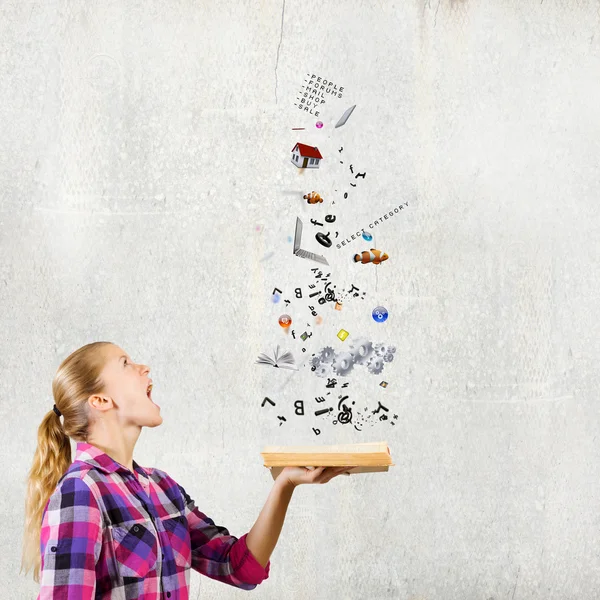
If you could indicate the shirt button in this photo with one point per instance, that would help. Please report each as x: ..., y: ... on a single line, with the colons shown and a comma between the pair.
x: 168, y: 594
x: 53, y: 548
x: 136, y: 528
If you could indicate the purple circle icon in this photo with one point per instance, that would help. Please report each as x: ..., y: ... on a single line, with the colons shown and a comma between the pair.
x: 319, y: 124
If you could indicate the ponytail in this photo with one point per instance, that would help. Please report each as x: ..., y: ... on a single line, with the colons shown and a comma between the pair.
x: 50, y: 461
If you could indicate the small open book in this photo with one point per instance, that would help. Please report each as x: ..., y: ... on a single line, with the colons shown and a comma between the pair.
x: 372, y: 457
x: 285, y: 361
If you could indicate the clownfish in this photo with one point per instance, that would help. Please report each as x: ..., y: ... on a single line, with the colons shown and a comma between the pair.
x: 313, y: 198
x: 374, y: 256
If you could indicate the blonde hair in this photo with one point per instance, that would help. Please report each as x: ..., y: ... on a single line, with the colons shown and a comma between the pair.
x: 77, y: 378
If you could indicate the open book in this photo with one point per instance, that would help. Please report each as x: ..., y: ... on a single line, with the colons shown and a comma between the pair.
x: 372, y: 457
x: 285, y: 361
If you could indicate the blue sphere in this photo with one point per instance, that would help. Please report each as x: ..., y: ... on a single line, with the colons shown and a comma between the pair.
x: 380, y: 314
x: 367, y: 236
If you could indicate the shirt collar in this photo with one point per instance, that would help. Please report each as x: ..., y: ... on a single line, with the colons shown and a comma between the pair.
x: 95, y: 457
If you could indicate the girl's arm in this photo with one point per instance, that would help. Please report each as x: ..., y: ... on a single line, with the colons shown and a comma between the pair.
x: 263, y: 536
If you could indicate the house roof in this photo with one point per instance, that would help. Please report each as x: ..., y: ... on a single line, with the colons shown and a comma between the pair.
x: 310, y: 151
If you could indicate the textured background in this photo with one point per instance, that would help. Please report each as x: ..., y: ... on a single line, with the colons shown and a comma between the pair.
x: 141, y: 144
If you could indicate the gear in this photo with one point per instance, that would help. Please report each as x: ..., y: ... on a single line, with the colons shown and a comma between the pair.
x: 326, y: 355
x: 324, y: 370
x: 315, y: 361
x: 388, y: 357
x: 375, y: 365
x: 392, y: 349
x: 381, y: 350
x: 343, y: 363
x: 361, y: 350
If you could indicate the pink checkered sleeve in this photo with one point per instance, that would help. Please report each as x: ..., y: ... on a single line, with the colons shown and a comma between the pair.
x: 70, y: 543
x: 218, y: 554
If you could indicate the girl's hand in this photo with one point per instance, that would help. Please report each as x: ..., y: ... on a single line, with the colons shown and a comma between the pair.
x: 299, y: 475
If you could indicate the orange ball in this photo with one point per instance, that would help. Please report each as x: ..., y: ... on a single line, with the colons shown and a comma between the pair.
x: 285, y: 321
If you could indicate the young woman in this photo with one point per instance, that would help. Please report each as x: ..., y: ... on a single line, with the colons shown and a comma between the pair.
x: 103, y: 526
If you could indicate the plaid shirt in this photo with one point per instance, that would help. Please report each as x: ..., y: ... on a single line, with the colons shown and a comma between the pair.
x: 108, y: 533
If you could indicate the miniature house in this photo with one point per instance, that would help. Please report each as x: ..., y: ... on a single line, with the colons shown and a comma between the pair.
x: 304, y: 156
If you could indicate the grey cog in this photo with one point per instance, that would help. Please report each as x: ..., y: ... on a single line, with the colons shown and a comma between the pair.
x: 343, y: 363
x: 388, y: 357
x: 392, y: 349
x: 326, y: 355
x: 375, y: 365
x: 381, y: 350
x: 361, y: 350
x: 324, y: 370
x: 315, y: 361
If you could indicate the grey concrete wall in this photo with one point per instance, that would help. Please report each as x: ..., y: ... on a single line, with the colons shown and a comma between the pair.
x: 143, y: 146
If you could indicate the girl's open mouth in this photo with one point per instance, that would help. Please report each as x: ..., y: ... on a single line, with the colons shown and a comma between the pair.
x: 149, y: 394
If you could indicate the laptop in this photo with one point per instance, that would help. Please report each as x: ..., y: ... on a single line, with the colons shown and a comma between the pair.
x: 304, y: 253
